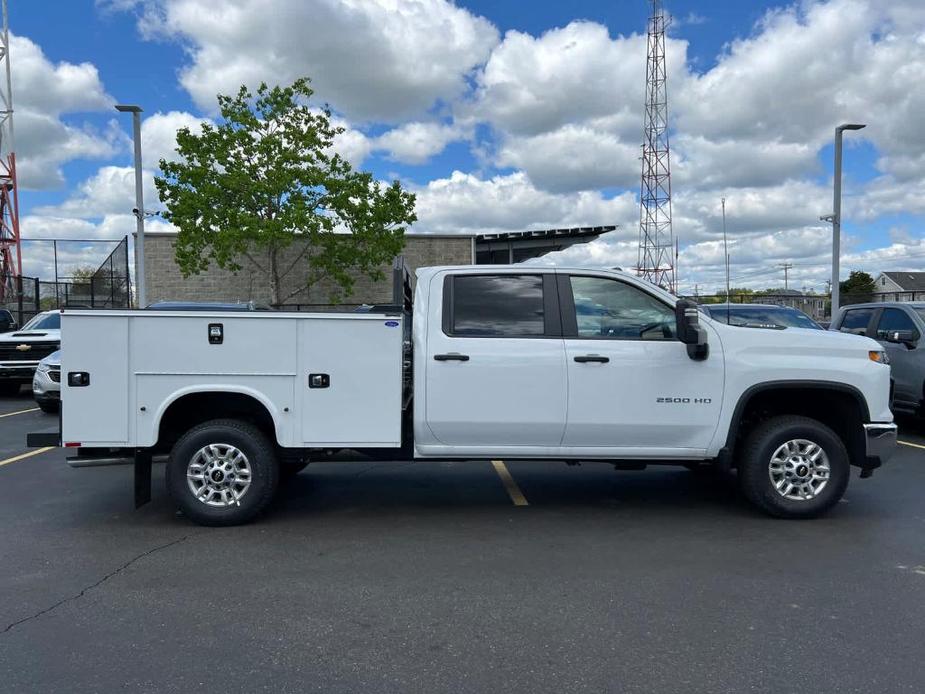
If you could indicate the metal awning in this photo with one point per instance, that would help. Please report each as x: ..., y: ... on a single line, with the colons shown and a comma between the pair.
x: 516, y: 246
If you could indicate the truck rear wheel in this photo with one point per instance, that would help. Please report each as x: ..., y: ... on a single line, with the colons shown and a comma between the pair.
x: 793, y: 467
x: 222, y: 472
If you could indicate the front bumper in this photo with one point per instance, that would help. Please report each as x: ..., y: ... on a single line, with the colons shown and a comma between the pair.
x: 880, y: 441
x: 43, y: 387
x: 18, y: 371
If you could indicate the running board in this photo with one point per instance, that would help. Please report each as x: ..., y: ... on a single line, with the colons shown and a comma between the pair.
x: 78, y: 462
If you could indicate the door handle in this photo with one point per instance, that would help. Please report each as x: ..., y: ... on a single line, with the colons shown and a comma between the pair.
x: 592, y: 357
x: 452, y: 356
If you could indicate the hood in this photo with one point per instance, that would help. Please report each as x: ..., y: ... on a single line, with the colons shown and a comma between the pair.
x: 53, y: 359
x: 31, y: 336
x: 806, y: 340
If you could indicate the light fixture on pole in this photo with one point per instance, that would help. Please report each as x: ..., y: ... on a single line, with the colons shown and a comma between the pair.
x: 139, y: 210
x: 835, y: 218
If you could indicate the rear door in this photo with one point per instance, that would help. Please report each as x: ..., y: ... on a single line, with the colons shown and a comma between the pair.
x: 632, y: 386
x: 495, y: 368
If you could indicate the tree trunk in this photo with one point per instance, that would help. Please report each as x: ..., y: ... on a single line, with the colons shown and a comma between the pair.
x: 273, y: 269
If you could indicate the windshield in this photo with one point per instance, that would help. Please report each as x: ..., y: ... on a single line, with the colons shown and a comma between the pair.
x: 44, y: 321
x: 770, y: 317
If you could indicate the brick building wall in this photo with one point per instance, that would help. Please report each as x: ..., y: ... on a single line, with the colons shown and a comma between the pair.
x: 164, y: 282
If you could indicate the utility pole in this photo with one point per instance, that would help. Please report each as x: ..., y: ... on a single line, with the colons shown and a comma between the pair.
x: 656, y: 243
x: 835, y: 217
x: 139, y: 210
x: 786, y: 266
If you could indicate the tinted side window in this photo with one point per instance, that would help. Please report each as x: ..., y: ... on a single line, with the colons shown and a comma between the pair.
x: 893, y: 319
x: 498, y: 306
x: 856, y: 320
x: 610, y: 308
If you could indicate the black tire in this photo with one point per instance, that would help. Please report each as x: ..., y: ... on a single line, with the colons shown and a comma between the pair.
x: 755, y: 458
x: 261, y: 458
x: 8, y: 389
x: 49, y: 407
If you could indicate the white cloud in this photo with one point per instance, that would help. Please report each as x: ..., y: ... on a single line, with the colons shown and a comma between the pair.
x: 42, y: 92
x: 416, y: 142
x: 111, y: 191
x: 159, y: 135
x: 532, y: 85
x: 574, y: 157
x: 464, y: 203
x: 382, y: 59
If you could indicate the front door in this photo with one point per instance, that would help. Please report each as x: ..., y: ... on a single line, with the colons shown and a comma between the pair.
x: 632, y: 386
x: 904, y: 362
x: 495, y: 371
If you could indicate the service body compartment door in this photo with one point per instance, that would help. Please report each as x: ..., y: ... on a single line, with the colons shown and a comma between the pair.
x: 350, y: 379
x: 495, y: 368
x: 96, y: 345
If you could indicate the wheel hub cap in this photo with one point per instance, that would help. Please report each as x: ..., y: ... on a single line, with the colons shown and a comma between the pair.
x: 219, y: 474
x: 799, y: 469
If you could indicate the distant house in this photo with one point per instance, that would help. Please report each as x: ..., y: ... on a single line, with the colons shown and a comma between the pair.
x: 912, y: 283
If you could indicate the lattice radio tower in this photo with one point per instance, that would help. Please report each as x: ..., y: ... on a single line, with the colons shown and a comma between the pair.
x: 655, y: 261
x: 10, y: 251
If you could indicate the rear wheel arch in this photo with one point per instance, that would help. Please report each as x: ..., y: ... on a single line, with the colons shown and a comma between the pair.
x: 193, y: 406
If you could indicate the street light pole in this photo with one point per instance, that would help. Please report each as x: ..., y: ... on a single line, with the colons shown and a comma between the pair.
x: 139, y: 210
x: 836, y: 216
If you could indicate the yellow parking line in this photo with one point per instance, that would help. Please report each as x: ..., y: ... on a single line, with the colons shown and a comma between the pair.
x: 914, y: 445
x: 510, y: 485
x: 10, y: 414
x: 21, y: 456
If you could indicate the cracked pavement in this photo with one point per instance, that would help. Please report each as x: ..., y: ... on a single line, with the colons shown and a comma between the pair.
x: 396, y: 577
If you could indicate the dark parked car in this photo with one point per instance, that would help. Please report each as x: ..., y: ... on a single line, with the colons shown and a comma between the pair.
x: 207, y: 306
x: 760, y: 316
x: 899, y: 327
x: 7, y: 322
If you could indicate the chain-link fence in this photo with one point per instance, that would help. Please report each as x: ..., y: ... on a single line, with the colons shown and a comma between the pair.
x: 71, y: 276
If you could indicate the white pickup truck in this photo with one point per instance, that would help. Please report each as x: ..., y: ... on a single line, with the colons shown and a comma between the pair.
x: 511, y: 362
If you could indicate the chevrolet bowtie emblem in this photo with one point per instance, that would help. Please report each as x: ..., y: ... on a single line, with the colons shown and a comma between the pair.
x: 23, y: 348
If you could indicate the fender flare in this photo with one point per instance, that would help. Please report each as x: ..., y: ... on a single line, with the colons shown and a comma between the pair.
x: 765, y: 386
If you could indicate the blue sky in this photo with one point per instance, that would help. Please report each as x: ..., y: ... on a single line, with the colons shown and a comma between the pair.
x: 506, y: 118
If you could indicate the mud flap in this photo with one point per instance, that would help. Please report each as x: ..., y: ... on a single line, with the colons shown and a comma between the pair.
x: 142, y: 476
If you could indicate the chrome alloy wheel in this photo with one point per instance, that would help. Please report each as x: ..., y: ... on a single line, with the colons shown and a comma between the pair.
x: 219, y: 475
x: 799, y: 469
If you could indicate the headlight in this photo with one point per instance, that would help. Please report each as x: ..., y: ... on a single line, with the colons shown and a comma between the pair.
x: 43, y: 367
x: 878, y: 356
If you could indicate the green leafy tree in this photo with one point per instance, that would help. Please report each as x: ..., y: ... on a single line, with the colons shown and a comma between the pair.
x: 858, y: 288
x: 264, y: 178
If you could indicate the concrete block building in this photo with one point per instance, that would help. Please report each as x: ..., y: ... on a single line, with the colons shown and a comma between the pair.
x: 164, y: 282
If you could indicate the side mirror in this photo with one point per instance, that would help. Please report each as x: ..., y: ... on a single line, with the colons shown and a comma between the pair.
x: 901, y: 337
x: 689, y: 330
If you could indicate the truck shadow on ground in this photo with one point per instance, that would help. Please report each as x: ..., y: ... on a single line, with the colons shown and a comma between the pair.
x: 445, y: 488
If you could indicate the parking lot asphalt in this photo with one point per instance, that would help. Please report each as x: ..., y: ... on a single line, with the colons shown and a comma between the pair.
x: 397, y: 577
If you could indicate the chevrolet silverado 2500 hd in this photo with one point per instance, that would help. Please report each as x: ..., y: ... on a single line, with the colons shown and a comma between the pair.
x: 508, y: 362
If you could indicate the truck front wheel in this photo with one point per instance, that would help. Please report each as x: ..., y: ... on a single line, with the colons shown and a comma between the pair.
x: 222, y: 472
x: 793, y: 467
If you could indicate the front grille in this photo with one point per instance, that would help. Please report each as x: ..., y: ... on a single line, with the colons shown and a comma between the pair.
x: 36, y: 351
x: 55, y: 375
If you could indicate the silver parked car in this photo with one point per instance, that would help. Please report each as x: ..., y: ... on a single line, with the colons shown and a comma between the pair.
x: 899, y: 327
x: 46, y: 383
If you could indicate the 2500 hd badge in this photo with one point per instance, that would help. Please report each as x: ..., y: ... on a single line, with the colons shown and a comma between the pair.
x: 685, y: 401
